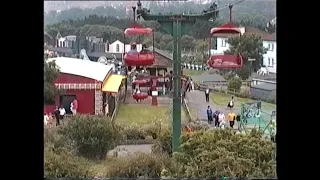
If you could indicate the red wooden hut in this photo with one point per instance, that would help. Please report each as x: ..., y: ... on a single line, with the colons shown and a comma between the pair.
x: 83, y: 80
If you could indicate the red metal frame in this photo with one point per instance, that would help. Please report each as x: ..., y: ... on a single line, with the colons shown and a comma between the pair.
x: 226, y: 61
x: 142, y: 58
x: 226, y: 29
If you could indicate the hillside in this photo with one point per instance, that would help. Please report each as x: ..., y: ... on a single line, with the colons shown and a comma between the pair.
x: 56, y: 11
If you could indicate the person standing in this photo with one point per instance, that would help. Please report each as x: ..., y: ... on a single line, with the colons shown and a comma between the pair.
x: 57, y: 116
x: 74, y: 106
x: 216, y: 119
x: 222, y: 120
x: 62, y: 112
x: 46, y: 119
x: 231, y: 103
x: 207, y: 94
x: 232, y: 118
x: 209, y: 114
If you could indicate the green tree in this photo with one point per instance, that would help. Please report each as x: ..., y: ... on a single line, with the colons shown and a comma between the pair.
x: 51, y: 72
x: 234, y: 84
x: 243, y: 72
x: 187, y: 42
x: 249, y: 46
x: 223, y: 153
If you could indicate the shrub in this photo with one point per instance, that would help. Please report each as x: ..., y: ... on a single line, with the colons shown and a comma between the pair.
x: 92, y: 136
x: 234, y: 83
x: 218, y: 153
x: 61, y: 162
x: 133, y: 133
x: 164, y: 143
x: 137, y: 165
x: 244, y: 93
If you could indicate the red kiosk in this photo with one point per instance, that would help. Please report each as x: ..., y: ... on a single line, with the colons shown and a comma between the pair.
x: 225, y: 61
x: 142, y: 58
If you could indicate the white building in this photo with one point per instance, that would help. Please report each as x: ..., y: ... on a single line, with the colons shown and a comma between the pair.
x: 66, y: 42
x: 118, y: 47
x: 269, y: 42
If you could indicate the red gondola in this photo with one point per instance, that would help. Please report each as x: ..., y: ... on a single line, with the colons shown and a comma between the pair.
x: 140, y: 96
x: 144, y: 57
x: 140, y: 81
x: 226, y: 61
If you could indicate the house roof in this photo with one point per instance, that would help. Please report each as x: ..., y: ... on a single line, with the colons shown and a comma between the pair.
x: 84, y: 68
x: 265, y: 86
x: 209, y: 78
x: 99, y: 54
x: 61, y: 50
x: 164, y: 53
x: 248, y: 31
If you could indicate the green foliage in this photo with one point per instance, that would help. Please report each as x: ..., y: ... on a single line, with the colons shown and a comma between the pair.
x: 51, y: 72
x: 249, y: 46
x: 163, y: 143
x: 139, y: 164
x: 252, y: 13
x: 218, y: 153
x: 92, y: 136
x: 243, y: 72
x: 61, y: 162
x: 234, y: 84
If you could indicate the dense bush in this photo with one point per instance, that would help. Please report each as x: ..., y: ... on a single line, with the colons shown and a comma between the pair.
x: 139, y: 165
x: 91, y: 136
x: 234, y: 84
x: 163, y: 143
x: 218, y: 153
x: 61, y: 162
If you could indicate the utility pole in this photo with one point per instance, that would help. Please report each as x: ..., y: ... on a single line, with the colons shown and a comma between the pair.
x: 177, y: 26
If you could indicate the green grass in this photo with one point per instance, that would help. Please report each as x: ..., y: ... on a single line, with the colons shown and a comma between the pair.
x: 223, y: 99
x: 143, y: 114
x: 192, y: 72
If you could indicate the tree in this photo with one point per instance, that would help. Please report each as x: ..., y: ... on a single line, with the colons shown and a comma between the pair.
x: 223, y: 153
x: 249, y: 46
x: 51, y: 72
x: 187, y: 42
x: 234, y: 84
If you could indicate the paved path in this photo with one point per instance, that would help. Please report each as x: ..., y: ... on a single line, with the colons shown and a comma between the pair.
x: 124, y: 150
x: 196, y: 101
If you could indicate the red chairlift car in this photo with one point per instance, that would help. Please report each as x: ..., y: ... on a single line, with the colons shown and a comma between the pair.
x: 143, y: 58
x: 226, y: 61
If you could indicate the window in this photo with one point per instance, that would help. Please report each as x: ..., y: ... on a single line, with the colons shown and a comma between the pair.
x: 223, y: 43
x: 117, y: 48
x: 270, y: 47
x: 270, y: 62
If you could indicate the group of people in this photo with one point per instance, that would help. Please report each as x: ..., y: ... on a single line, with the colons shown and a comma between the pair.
x: 219, y: 118
x: 59, y: 114
x: 134, y: 50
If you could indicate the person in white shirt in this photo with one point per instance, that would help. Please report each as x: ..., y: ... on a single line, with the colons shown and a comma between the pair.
x: 46, y: 119
x: 62, y: 113
x: 192, y: 85
x: 71, y: 107
x: 222, y: 120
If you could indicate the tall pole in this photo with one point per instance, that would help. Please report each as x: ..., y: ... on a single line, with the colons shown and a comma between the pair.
x: 177, y: 25
x: 230, y: 13
x: 176, y: 115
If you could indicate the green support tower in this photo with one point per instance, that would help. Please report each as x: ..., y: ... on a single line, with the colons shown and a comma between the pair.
x: 177, y: 25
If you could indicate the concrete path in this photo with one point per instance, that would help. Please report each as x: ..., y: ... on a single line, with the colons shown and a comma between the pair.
x: 196, y: 101
x: 124, y: 150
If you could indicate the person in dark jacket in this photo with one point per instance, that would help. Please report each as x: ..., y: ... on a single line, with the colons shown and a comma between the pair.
x: 57, y: 115
x: 209, y: 114
x: 216, y: 118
